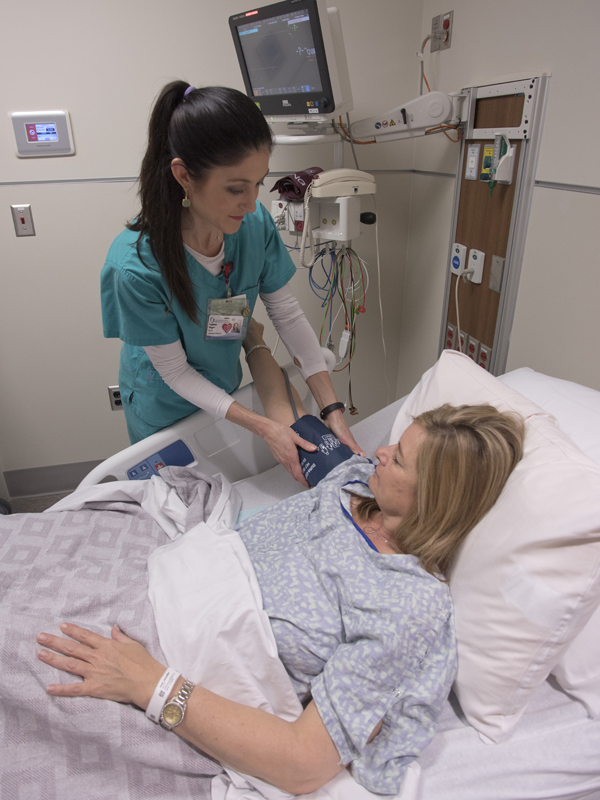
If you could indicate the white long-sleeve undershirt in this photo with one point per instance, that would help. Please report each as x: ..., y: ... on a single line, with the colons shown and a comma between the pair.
x: 170, y: 360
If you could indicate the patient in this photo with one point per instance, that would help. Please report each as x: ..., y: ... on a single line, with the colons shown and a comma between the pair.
x: 351, y: 574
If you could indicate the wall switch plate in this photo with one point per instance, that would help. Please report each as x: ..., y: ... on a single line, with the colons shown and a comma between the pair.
x: 442, y: 24
x: 476, y: 262
x: 496, y: 272
x: 23, y: 221
x: 472, y: 162
x: 114, y: 394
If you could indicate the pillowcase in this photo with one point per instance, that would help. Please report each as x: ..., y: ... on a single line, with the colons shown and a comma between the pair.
x: 527, y: 578
x: 577, y: 410
x: 576, y: 407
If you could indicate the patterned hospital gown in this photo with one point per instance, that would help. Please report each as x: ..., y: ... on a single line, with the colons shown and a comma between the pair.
x: 368, y: 636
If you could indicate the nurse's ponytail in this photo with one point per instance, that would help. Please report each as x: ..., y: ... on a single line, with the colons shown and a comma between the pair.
x: 208, y: 127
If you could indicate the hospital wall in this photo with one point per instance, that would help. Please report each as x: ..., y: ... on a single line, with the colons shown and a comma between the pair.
x: 556, y: 327
x: 105, y: 63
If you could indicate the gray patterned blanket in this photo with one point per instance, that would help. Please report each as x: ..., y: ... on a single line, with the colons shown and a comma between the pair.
x: 90, y: 568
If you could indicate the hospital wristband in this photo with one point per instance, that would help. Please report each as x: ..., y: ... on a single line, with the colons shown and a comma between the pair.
x: 161, y: 694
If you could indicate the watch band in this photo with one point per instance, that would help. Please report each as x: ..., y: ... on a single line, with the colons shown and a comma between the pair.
x: 333, y: 407
x: 174, y: 710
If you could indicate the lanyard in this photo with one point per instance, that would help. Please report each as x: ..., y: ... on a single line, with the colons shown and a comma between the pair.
x: 349, y: 516
x: 227, y: 269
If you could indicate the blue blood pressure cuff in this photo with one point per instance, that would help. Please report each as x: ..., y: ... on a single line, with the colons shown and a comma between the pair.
x: 329, y: 453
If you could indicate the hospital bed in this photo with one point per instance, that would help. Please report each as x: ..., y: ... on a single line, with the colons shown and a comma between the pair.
x: 533, y: 733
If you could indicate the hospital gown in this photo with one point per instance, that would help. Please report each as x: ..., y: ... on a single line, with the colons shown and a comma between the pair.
x: 368, y: 636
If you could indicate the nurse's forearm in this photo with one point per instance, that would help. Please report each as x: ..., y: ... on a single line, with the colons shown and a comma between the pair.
x: 254, y: 423
x: 170, y: 361
x: 321, y: 388
x: 281, y: 439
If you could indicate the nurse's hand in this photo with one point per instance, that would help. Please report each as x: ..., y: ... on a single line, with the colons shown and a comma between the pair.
x: 283, y: 443
x: 337, y: 424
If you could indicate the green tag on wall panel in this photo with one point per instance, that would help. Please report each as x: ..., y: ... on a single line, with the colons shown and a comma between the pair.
x: 488, y: 154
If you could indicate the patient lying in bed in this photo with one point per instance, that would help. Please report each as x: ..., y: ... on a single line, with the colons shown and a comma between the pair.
x: 351, y: 578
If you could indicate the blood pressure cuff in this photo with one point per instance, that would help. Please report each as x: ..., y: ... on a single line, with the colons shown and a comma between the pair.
x: 329, y: 453
x: 293, y: 187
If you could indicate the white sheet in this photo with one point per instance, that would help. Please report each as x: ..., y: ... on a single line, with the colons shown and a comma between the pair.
x: 229, y: 647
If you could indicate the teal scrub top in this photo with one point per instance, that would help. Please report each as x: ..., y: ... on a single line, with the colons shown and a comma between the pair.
x: 136, y: 308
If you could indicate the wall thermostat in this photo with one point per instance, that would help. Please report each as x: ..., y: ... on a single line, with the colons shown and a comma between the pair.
x: 42, y: 133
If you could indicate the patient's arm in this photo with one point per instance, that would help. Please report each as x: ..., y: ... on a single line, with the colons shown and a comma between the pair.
x: 297, y: 757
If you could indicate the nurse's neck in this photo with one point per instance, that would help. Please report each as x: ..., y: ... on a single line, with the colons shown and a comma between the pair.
x: 204, y: 238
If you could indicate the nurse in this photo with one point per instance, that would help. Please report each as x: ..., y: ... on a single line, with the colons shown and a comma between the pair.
x: 180, y: 283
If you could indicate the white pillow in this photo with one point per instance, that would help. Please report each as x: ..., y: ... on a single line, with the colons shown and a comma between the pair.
x: 527, y: 579
x: 577, y: 409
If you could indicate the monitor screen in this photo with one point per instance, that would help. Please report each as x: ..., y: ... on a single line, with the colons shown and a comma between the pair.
x: 280, y: 54
x: 282, y: 57
x: 41, y: 132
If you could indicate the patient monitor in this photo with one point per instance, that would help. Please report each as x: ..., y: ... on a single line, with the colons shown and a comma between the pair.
x: 293, y: 60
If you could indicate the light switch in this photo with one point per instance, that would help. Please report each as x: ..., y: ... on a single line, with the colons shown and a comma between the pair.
x: 23, y: 221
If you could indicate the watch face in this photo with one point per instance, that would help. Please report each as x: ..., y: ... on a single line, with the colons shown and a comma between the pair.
x: 172, y: 714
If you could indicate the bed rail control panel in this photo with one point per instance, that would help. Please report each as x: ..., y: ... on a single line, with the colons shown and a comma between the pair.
x: 177, y: 454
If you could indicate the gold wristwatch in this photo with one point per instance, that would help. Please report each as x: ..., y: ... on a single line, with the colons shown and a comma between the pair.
x: 174, y: 711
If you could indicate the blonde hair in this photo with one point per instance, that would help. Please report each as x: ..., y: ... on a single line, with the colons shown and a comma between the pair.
x: 463, y: 464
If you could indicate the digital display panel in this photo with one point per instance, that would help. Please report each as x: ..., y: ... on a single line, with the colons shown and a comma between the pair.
x: 280, y: 54
x: 41, y: 132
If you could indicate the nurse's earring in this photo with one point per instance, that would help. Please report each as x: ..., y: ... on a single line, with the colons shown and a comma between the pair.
x: 186, y: 202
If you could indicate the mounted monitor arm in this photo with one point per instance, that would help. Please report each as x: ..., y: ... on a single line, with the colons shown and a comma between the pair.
x: 422, y: 115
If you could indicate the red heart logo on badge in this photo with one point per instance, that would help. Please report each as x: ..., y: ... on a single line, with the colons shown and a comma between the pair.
x: 226, y: 326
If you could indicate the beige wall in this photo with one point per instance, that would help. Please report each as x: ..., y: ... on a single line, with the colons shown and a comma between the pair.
x: 557, y: 323
x: 105, y: 62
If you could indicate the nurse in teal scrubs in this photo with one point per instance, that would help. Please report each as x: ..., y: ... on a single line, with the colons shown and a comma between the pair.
x: 181, y: 281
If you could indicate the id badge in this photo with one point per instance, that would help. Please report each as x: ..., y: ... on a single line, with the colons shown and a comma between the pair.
x: 227, y: 318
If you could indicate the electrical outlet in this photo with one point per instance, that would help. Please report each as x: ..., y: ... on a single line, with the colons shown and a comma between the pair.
x: 114, y: 395
x: 485, y: 355
x: 473, y: 349
x: 450, y: 337
x: 442, y: 26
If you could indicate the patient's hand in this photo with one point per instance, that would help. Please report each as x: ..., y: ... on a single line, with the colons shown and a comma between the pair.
x: 118, y: 668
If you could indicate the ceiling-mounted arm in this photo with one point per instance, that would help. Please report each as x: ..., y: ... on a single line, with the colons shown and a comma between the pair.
x: 414, y: 118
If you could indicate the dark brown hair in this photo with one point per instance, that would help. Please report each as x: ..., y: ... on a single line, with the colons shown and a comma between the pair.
x: 209, y: 127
